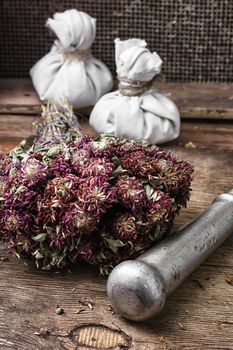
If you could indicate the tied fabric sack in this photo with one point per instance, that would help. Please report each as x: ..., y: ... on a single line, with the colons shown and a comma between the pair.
x: 69, y: 69
x: 136, y: 110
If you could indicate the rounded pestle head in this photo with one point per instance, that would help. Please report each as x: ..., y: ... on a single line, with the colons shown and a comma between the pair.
x: 136, y: 290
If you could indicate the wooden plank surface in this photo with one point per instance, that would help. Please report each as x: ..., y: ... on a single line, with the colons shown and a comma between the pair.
x: 206, y: 100
x: 198, y: 315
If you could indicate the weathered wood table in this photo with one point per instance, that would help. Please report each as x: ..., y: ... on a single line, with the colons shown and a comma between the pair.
x: 198, y: 315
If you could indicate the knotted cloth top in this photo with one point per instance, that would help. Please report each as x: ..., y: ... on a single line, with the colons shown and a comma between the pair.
x: 129, y: 87
x: 73, y: 55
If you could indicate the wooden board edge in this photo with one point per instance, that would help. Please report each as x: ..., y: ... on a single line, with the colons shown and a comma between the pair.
x: 33, y: 109
x: 186, y: 113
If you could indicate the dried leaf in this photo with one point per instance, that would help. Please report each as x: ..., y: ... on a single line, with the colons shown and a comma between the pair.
x: 37, y: 255
x: 119, y: 170
x: 40, y: 237
x: 14, y: 156
x: 113, y: 244
x: 53, y: 151
x: 149, y: 191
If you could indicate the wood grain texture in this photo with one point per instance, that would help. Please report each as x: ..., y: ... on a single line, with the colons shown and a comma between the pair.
x: 206, y: 100
x: 198, y: 315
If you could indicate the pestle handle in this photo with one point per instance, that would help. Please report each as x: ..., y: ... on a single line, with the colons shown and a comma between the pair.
x: 138, y: 288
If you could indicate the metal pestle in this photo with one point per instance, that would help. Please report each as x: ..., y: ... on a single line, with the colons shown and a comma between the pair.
x: 138, y: 288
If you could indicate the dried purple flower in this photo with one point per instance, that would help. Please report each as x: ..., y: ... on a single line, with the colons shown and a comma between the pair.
x: 79, y: 158
x: 125, y: 227
x: 32, y: 172
x: 97, y: 167
x: 159, y: 207
x: 60, y: 167
x: 97, y: 195
x: 12, y: 223
x: 77, y: 221
x: 62, y: 187
x: 131, y: 193
x: 138, y: 163
x: 71, y: 198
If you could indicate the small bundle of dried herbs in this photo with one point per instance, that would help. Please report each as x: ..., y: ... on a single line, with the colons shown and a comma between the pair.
x: 71, y: 198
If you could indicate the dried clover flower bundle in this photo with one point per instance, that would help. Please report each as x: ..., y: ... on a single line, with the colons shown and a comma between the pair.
x: 71, y: 198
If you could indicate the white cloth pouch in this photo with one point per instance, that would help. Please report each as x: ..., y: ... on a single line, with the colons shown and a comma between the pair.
x: 136, y: 110
x: 69, y: 69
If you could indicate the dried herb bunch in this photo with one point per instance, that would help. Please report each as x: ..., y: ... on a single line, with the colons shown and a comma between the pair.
x: 71, y: 198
